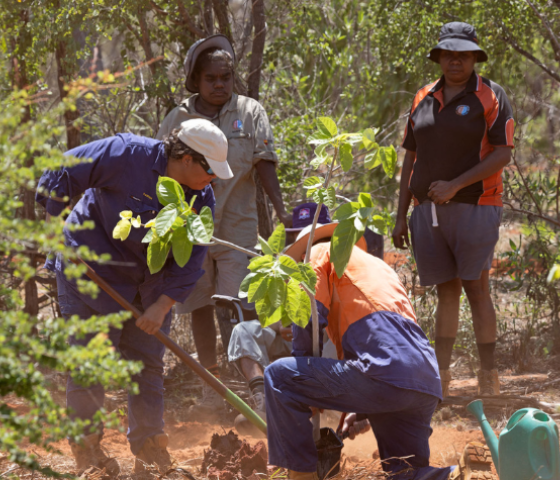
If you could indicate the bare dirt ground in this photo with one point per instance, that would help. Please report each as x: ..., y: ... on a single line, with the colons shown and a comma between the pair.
x: 189, y: 440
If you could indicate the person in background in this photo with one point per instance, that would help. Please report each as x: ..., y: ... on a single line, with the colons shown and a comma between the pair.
x: 209, y: 71
x: 458, y: 139
x: 121, y: 173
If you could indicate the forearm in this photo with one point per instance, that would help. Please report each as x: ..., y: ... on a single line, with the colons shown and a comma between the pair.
x: 405, y: 196
x: 492, y: 164
x: 164, y: 303
x: 271, y: 185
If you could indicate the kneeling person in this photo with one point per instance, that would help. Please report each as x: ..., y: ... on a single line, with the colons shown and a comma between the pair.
x: 386, y: 368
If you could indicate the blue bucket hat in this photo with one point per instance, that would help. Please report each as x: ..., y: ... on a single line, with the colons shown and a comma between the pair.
x: 457, y: 37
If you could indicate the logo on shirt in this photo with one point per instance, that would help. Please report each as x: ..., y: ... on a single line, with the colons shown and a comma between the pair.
x: 462, y: 110
x: 237, y: 124
x: 304, y: 213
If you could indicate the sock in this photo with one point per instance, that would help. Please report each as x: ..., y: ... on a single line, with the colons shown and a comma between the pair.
x: 214, y: 370
x: 486, y: 354
x: 256, y: 384
x: 444, y: 348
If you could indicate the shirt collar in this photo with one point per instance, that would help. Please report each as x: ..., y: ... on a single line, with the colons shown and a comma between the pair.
x: 230, y: 106
x: 160, y: 163
x: 473, y: 84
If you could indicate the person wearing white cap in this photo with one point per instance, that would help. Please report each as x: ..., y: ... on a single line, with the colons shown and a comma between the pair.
x: 121, y: 173
x: 209, y: 71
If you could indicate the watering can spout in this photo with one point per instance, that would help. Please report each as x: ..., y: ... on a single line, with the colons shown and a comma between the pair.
x: 491, y: 440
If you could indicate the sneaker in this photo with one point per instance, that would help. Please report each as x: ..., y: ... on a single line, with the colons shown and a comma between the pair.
x: 154, y: 453
x: 210, y: 405
x: 475, y: 464
x: 243, y: 425
x: 88, y: 453
x: 445, y: 378
x: 488, y: 383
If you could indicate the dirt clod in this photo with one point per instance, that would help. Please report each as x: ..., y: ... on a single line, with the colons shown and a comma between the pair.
x: 230, y: 458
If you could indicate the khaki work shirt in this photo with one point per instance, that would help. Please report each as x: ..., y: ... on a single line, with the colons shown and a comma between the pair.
x: 245, y: 125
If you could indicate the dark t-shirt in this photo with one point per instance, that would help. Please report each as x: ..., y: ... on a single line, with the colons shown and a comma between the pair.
x: 450, y: 140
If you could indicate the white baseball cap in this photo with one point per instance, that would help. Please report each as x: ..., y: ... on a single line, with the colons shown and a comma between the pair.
x: 208, y: 140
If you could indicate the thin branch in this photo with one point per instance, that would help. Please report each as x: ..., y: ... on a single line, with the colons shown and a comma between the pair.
x: 533, y: 214
x: 525, y: 185
x: 531, y: 57
x: 553, y: 39
x: 217, y: 241
x: 188, y: 22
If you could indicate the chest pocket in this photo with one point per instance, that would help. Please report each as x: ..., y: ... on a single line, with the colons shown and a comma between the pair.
x: 240, y: 151
x: 146, y: 212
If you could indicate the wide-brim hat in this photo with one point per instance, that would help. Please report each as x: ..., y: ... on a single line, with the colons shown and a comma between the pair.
x: 298, y: 248
x: 214, y: 41
x: 457, y: 37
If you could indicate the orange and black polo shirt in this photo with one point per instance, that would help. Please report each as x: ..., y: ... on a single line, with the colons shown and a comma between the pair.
x: 451, y: 139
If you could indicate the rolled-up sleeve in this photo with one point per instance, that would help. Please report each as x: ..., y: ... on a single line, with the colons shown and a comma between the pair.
x: 264, y: 140
x: 107, y: 162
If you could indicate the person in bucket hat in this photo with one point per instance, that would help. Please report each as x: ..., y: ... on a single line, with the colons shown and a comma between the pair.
x: 121, y: 173
x: 458, y: 138
x: 209, y: 76
x: 385, y: 369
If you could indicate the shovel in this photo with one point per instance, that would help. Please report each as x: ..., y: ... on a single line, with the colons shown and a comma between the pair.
x: 204, y: 374
x: 329, y: 448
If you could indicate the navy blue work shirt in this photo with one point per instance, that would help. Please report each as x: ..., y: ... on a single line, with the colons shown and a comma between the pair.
x: 122, y: 175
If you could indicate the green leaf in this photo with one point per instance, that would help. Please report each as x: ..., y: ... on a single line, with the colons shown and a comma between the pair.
x: 165, y: 219
x: 149, y: 236
x: 277, y: 241
x: 304, y: 311
x: 389, y: 160
x: 309, y: 275
x: 126, y: 214
x: 318, y: 161
x: 261, y: 264
x: 244, y: 287
x: 346, y: 210
x: 554, y: 273
x: 379, y: 225
x: 200, y: 228
x: 368, y: 138
x: 157, y: 255
x: 122, y: 229
x: 327, y: 126
x: 364, y: 199
x: 313, y: 182
x: 372, y: 159
x: 182, y: 246
x: 136, y: 222
x: 277, y: 292
x: 264, y: 309
x: 293, y: 299
x: 258, y: 288
x: 344, y: 238
x: 169, y: 191
x: 265, y: 247
x: 289, y: 267
x: 326, y: 196
x: 275, y: 317
x: 345, y: 156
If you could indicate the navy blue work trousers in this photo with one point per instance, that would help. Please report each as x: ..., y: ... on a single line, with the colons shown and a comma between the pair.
x: 400, y: 418
x: 145, y: 410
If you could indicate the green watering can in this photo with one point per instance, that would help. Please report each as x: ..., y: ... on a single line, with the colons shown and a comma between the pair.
x: 527, y: 448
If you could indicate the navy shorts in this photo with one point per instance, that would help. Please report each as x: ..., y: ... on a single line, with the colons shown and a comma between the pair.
x: 462, y: 246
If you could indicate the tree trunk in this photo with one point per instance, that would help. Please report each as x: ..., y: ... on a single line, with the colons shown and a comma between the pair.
x: 208, y: 17
x: 27, y: 212
x: 221, y: 12
x: 263, y: 207
x: 73, y: 137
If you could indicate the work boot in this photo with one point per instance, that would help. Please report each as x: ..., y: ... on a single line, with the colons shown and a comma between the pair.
x: 154, y: 453
x: 445, y: 378
x: 243, y: 425
x: 475, y: 464
x: 293, y: 475
x: 88, y: 453
x: 488, y: 383
x: 211, y: 405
